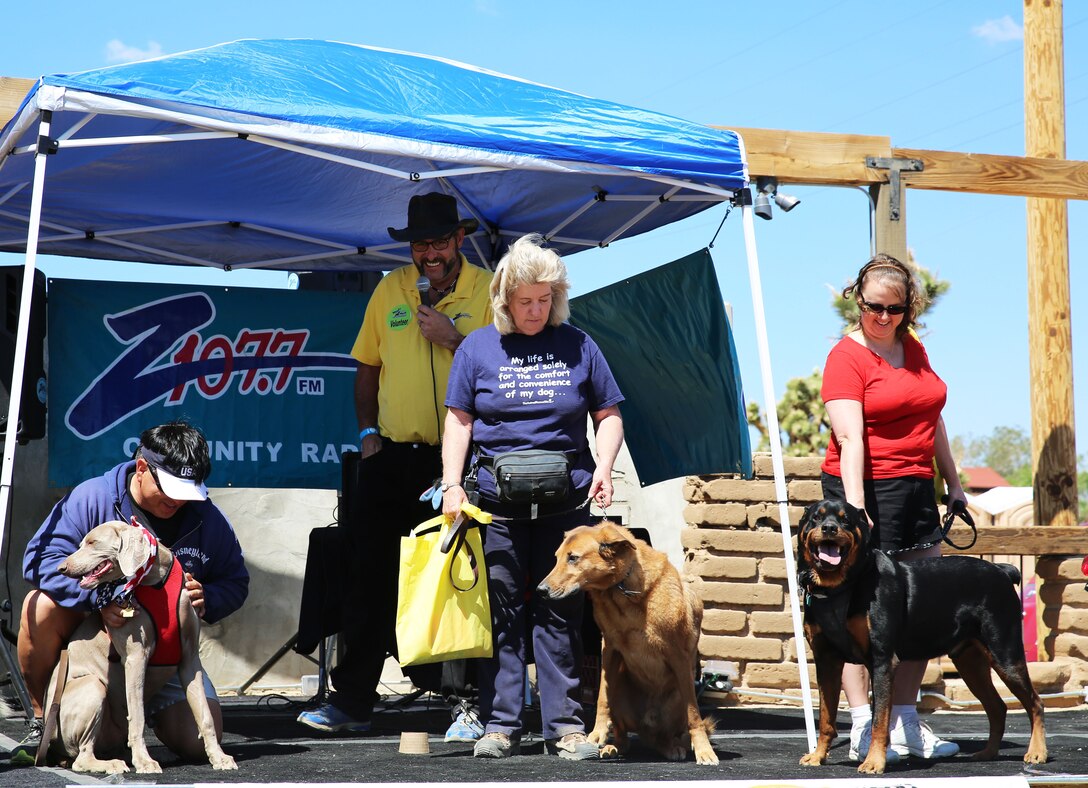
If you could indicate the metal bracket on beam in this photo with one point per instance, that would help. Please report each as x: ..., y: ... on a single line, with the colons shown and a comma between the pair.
x: 894, y: 167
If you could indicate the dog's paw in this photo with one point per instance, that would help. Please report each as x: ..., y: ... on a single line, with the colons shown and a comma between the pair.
x: 677, y: 752
x: 88, y: 763
x: 706, y: 756
x: 147, y: 766
x: 115, y: 767
x: 872, y: 765
x: 222, y: 761
x: 609, y: 751
x: 1035, y: 757
x: 598, y: 736
x: 813, y: 759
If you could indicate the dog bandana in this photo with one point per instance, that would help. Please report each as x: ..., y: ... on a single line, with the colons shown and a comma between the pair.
x: 121, y: 592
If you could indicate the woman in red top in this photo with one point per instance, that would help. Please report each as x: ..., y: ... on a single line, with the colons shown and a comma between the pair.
x: 884, y: 402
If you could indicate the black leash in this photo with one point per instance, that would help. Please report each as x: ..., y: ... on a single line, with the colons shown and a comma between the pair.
x: 957, y: 509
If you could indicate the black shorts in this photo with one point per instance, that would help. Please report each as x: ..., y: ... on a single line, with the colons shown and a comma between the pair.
x: 903, y: 510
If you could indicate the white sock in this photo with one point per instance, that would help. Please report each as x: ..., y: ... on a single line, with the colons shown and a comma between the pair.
x: 860, y: 716
x: 903, y: 714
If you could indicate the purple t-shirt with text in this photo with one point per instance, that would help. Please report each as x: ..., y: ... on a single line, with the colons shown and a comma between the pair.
x: 532, y: 392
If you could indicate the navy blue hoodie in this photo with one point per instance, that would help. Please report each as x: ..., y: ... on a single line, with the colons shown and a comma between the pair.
x: 206, y: 545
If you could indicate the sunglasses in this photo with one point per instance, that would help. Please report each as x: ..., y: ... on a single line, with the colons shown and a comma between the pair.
x: 151, y: 469
x: 155, y: 477
x: 438, y: 244
x: 876, y: 309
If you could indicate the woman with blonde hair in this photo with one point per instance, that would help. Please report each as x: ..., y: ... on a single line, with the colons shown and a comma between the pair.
x: 528, y: 384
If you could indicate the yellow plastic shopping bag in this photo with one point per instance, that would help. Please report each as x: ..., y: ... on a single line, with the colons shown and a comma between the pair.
x: 443, y: 611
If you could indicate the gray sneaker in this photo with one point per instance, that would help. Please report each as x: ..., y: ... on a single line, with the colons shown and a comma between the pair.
x: 574, y: 747
x: 496, y: 745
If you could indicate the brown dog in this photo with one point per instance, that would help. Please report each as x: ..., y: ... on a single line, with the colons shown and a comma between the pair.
x: 649, y: 622
x: 96, y: 695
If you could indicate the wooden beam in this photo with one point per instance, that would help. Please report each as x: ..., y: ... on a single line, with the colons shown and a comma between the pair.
x: 819, y: 158
x: 979, y: 173
x: 1021, y: 540
x: 12, y: 92
x: 813, y: 157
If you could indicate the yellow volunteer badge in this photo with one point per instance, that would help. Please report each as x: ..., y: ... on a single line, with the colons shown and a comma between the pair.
x: 399, y: 317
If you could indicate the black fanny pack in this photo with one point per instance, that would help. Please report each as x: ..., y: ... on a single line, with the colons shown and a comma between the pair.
x: 531, y: 476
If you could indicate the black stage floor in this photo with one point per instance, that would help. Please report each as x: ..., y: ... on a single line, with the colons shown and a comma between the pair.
x: 759, y: 745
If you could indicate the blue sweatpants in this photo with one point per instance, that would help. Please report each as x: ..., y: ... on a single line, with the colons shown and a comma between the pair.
x: 519, y: 554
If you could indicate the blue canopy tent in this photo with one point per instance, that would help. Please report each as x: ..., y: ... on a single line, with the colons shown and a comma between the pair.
x: 297, y: 155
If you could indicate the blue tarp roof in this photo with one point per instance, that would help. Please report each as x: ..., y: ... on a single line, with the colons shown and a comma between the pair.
x: 298, y: 154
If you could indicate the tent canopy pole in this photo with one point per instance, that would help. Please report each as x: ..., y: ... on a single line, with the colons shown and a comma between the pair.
x: 744, y: 198
x: 18, y: 371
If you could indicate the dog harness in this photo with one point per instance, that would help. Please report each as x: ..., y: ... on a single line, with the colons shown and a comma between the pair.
x: 162, y: 603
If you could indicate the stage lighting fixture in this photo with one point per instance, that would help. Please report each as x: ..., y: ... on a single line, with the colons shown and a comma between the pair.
x: 766, y: 190
x: 762, y: 206
x: 787, y: 202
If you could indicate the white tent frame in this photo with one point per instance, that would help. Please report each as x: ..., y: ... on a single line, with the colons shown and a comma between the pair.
x: 59, y: 97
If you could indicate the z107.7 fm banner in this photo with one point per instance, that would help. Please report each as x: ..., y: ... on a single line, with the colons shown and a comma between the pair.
x: 267, y: 375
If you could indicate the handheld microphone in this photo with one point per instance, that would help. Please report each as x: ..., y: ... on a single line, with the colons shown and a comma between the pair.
x: 423, y: 284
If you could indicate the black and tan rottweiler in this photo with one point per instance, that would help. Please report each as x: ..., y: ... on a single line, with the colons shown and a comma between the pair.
x: 861, y: 606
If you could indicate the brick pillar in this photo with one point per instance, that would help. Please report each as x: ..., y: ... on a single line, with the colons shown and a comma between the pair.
x: 1064, y: 603
x: 733, y: 557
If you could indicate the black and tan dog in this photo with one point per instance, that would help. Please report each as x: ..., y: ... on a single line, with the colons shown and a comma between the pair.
x: 863, y: 607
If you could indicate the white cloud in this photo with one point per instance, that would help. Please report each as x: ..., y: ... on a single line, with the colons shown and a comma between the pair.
x: 117, y: 51
x: 996, y: 31
x: 486, y: 7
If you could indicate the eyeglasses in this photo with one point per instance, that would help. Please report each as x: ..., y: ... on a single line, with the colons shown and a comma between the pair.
x: 438, y: 244
x: 876, y: 309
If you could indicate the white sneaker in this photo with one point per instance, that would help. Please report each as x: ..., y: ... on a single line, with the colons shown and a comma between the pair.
x: 860, y: 738
x: 915, y: 738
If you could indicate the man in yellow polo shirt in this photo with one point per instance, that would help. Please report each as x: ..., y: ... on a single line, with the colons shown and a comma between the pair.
x: 416, y: 318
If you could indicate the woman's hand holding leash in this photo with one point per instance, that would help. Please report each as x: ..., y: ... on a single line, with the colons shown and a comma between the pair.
x: 601, y: 489
x: 452, y: 499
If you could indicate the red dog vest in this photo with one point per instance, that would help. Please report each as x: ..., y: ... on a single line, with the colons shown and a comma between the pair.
x: 162, y: 603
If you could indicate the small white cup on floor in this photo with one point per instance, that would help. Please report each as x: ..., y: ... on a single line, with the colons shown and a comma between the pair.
x: 414, y: 743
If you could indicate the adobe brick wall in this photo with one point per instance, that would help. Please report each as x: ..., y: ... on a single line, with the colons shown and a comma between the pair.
x: 1063, y: 603
x: 733, y: 557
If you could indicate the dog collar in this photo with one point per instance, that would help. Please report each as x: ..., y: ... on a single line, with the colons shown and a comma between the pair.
x: 121, y: 592
x: 623, y: 590
x: 839, y: 589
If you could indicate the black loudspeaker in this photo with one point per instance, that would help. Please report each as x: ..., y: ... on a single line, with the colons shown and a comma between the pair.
x: 32, y: 405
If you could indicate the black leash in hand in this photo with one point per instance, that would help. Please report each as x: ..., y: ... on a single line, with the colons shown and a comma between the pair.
x: 957, y: 509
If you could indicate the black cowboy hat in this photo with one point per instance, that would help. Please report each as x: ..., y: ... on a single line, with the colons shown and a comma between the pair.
x: 432, y: 216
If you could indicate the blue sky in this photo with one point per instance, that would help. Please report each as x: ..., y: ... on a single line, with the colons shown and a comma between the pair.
x: 945, y: 75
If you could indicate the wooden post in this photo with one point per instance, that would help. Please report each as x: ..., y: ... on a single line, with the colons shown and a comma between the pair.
x: 1049, y: 320
x: 890, y: 234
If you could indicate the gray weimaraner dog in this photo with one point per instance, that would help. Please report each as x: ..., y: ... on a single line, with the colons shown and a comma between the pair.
x: 98, y: 694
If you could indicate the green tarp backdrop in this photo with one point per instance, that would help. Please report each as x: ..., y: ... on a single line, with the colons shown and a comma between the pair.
x: 666, y: 338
